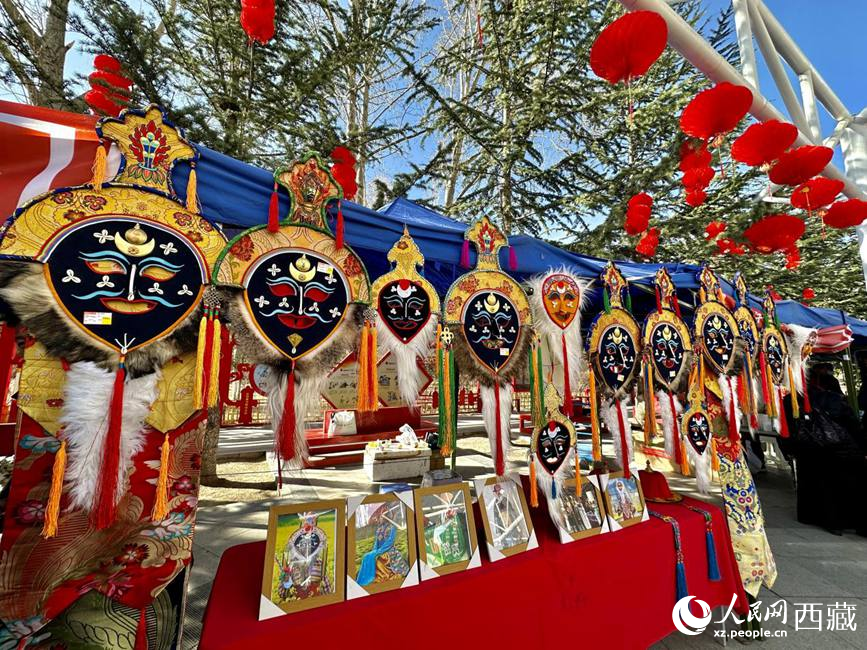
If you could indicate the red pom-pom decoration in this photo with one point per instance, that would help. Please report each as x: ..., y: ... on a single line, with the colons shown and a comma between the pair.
x: 343, y: 171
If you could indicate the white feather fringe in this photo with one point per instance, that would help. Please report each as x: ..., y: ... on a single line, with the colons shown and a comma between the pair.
x: 668, y: 419
x: 307, y: 391
x: 489, y: 411
x: 701, y: 465
x: 728, y: 396
x: 796, y: 337
x: 609, y: 416
x: 409, y: 377
x: 84, y: 416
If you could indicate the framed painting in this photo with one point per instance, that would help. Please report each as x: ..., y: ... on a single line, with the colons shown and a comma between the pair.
x: 380, y: 542
x: 446, y: 530
x: 579, y: 516
x: 624, y: 500
x: 505, y: 515
x: 304, y: 557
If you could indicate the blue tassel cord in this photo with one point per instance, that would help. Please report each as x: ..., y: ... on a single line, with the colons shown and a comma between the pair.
x: 680, y: 587
x: 712, y: 564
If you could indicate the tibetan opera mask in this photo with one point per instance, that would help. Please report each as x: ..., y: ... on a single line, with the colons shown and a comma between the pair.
x: 667, y: 351
x: 697, y: 430
x: 719, y: 340
x: 775, y: 355
x: 666, y: 337
x: 124, y: 281
x: 715, y: 325
x: 747, y: 327
x: 618, y: 356
x: 404, y: 307
x: 561, y: 297
x: 552, y: 445
x: 491, y: 325
x: 296, y: 298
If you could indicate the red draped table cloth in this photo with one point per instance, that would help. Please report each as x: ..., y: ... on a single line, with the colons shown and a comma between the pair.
x: 614, y: 590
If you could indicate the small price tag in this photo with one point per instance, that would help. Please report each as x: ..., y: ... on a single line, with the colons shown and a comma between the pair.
x: 97, y: 318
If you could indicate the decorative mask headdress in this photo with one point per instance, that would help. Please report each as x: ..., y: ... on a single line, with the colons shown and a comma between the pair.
x: 408, y: 308
x: 552, y: 451
x: 775, y: 368
x: 800, y: 340
x: 109, y: 277
x: 695, y: 425
x: 749, y: 331
x: 556, y: 299
x: 492, y: 314
x: 615, y: 355
x: 298, y: 301
x: 666, y: 362
x: 717, y: 337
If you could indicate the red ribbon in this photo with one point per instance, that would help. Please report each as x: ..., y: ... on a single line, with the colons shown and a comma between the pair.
x: 104, y: 514
x: 499, y: 463
x: 567, y: 386
x: 623, y: 447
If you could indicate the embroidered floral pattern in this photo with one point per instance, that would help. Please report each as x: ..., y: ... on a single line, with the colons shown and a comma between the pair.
x: 30, y: 513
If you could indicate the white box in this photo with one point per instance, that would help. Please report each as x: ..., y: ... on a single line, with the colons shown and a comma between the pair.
x: 380, y: 465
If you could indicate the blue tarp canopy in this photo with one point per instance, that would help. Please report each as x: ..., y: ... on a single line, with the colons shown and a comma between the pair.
x: 237, y: 195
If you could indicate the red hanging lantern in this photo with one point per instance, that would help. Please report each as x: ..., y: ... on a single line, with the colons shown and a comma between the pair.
x: 775, y: 232
x: 638, y: 213
x: 694, y: 153
x: 695, y: 198
x: 846, y: 214
x: 715, y: 111
x: 257, y: 20
x: 725, y: 246
x: 110, y: 91
x: 626, y: 48
x: 763, y: 143
x: 793, y: 258
x: 801, y: 164
x: 816, y: 193
x: 343, y: 171
x: 648, y: 244
x: 698, y: 178
x: 808, y: 294
x: 714, y: 229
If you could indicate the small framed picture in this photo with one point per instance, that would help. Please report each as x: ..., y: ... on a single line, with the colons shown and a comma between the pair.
x: 380, y: 542
x: 624, y: 500
x: 580, y: 516
x: 446, y: 530
x: 304, y: 557
x: 506, y: 518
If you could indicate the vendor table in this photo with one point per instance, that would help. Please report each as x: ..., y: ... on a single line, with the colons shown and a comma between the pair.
x: 615, y: 590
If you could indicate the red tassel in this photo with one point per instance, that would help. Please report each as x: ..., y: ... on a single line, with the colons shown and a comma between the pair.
x: 465, y: 254
x: 513, y: 259
x: 104, y: 514
x: 286, y: 441
x: 338, y: 230
x: 658, y: 301
x: 274, y: 211
x: 567, y: 386
x: 625, y: 450
x: 766, y: 393
x: 141, y: 631
x: 8, y: 349
x: 675, y: 305
x: 675, y: 427
x: 499, y: 463
x: 807, y: 407
x: 784, y: 421
x: 734, y: 434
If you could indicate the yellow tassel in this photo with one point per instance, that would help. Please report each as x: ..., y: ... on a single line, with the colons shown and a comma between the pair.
x: 771, y: 406
x: 374, y: 390
x: 362, y: 387
x: 684, y: 461
x: 439, y: 343
x: 446, y: 402
x: 161, y: 501
x: 793, y: 391
x: 649, y: 406
x: 534, y: 492
x: 192, y: 198
x: 52, y: 508
x: 198, y: 398
x: 714, y: 456
x: 214, y: 379
x: 100, y: 163
x: 577, y: 473
x: 594, y: 419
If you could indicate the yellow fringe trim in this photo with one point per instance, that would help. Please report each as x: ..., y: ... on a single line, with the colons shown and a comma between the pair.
x: 214, y: 379
x: 161, y: 501
x: 793, y: 391
x: 192, y: 198
x: 714, y: 457
x: 52, y: 508
x: 534, y: 490
x: 684, y: 460
x: 594, y: 418
x: 100, y: 162
x: 198, y: 386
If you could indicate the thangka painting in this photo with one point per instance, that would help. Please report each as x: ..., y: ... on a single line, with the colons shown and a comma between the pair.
x: 380, y: 542
x: 304, y: 557
x: 615, y: 355
x: 408, y: 313
x: 446, y: 530
x: 296, y: 299
x: 491, y: 313
x: 109, y: 282
x: 624, y: 500
x: 505, y: 516
x: 579, y: 513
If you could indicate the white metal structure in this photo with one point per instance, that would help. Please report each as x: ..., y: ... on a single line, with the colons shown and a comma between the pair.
x: 753, y: 20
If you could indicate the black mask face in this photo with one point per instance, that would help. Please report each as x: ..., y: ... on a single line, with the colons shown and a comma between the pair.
x: 297, y: 299
x: 552, y: 446
x: 747, y: 335
x: 775, y: 357
x: 125, y: 281
x: 719, y: 339
x: 307, y: 544
x: 618, y: 356
x: 667, y: 351
x: 698, y: 432
x: 492, y: 327
x: 404, y: 307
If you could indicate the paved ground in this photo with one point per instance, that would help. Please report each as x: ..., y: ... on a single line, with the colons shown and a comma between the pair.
x: 814, y: 566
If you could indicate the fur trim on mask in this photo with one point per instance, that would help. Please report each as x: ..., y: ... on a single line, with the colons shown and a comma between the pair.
x: 84, y: 416
x: 552, y: 333
x: 473, y: 370
x: 739, y: 357
x: 489, y: 415
x: 668, y: 419
x: 24, y: 288
x: 682, y: 376
x: 701, y: 465
x: 608, y: 412
x: 797, y: 337
x: 728, y: 395
x: 409, y: 377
